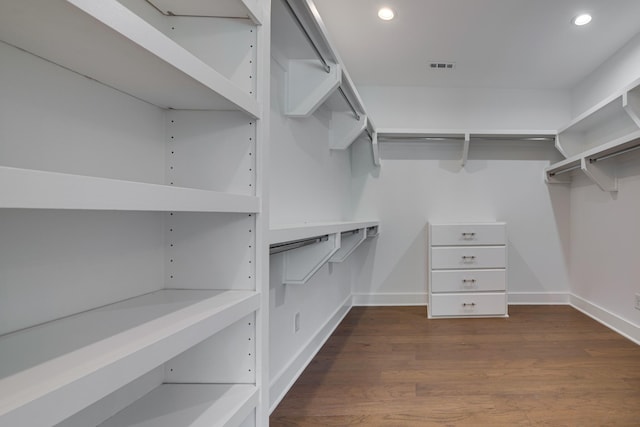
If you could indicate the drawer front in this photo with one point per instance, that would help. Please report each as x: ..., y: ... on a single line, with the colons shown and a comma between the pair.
x: 468, y: 235
x: 471, y: 304
x: 468, y: 257
x: 468, y: 280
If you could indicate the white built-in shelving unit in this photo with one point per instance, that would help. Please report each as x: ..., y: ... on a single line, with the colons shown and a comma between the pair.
x: 131, y: 262
x: 307, y: 247
x: 316, y: 76
x: 591, y: 140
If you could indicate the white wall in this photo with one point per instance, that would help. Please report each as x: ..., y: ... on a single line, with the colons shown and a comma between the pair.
x: 420, y: 182
x: 621, y: 69
x: 309, y: 183
x: 605, y: 233
x: 442, y: 108
x: 604, y: 226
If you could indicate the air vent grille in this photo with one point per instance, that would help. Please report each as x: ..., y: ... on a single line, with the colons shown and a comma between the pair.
x: 442, y: 65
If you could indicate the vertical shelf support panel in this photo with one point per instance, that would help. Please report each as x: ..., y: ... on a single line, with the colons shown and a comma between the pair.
x: 465, y: 149
x: 300, y: 264
x: 602, y: 174
x: 631, y: 104
x: 565, y: 141
x: 375, y: 148
x: 308, y: 86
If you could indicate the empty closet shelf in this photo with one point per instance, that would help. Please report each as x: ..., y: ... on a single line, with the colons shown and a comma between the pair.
x: 51, y: 371
x: 189, y: 405
x: 167, y: 74
x: 35, y: 189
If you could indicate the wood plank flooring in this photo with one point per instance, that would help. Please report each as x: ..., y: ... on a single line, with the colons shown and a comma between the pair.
x: 543, y: 366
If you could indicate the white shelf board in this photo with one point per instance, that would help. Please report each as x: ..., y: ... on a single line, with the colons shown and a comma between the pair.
x: 51, y: 371
x: 287, y: 233
x: 217, y: 8
x: 35, y: 189
x: 189, y: 405
x: 95, y: 39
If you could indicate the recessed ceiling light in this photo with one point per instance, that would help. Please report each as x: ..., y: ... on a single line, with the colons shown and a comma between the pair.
x: 386, y: 14
x: 582, y: 19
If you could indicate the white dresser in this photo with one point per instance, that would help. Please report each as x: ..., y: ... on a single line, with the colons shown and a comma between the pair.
x: 467, y: 270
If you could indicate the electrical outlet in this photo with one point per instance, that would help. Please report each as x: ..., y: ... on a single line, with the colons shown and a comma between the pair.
x: 637, y: 301
x: 296, y: 322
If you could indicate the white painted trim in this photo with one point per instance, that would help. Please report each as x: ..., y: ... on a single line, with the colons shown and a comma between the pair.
x: 607, y: 318
x: 419, y: 298
x: 284, y: 380
x: 538, y: 298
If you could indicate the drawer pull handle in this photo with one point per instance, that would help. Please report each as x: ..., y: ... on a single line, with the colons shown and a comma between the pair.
x: 468, y: 235
x: 468, y: 304
x: 472, y: 281
x: 468, y: 258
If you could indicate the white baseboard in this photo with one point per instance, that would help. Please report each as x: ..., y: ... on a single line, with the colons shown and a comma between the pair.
x: 538, y: 298
x: 284, y: 380
x: 533, y: 298
x: 390, y: 299
x: 607, y: 318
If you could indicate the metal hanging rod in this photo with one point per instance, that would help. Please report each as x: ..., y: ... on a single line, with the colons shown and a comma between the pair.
x: 277, y: 248
x: 348, y: 101
x: 369, y: 134
x: 350, y: 232
x: 419, y: 138
x: 472, y: 138
x: 608, y: 156
x: 560, y: 172
x: 325, y: 64
x: 529, y: 138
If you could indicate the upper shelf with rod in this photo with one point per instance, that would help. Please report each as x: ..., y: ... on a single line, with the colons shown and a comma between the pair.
x: 609, y: 129
x: 465, y: 138
x: 315, y: 73
x: 167, y: 65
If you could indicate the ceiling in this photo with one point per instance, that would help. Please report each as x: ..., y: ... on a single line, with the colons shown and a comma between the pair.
x: 515, y: 44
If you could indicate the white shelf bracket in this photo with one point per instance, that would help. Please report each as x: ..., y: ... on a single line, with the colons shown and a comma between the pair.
x: 308, y: 86
x: 631, y: 104
x: 345, y: 129
x: 600, y: 173
x: 465, y: 149
x: 302, y: 263
x: 348, y: 243
x: 375, y: 148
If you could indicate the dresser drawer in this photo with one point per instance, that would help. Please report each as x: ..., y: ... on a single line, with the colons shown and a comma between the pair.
x: 468, y: 280
x: 471, y: 257
x: 467, y: 234
x: 469, y: 304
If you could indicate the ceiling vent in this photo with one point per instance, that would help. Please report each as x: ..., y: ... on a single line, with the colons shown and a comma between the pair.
x: 442, y: 65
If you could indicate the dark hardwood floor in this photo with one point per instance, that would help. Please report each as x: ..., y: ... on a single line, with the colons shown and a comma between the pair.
x: 543, y: 366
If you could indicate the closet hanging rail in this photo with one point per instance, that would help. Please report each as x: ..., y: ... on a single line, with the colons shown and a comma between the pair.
x: 306, y: 34
x: 349, y: 103
x: 523, y: 138
x: 295, y: 244
x: 560, y: 172
x: 350, y: 232
x: 391, y: 138
x: 617, y: 153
